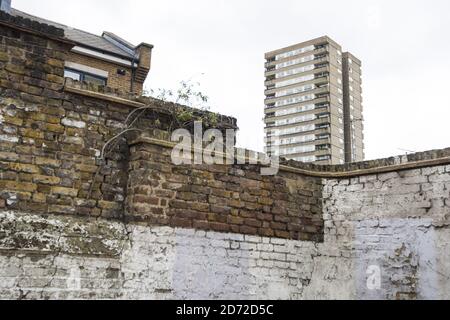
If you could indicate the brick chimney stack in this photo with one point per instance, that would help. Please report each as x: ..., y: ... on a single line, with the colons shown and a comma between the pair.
x: 5, y: 5
x: 144, y: 52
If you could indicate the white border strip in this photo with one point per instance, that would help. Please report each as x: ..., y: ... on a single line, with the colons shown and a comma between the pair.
x: 106, y: 57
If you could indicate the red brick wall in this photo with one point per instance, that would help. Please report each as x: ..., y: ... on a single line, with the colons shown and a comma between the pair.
x: 221, y: 198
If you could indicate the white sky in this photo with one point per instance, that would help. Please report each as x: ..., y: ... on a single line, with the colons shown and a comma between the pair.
x: 404, y: 47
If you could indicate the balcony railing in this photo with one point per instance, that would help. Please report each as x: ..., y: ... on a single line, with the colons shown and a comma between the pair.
x: 323, y: 158
x: 320, y: 65
x: 321, y: 75
x: 271, y: 68
x: 323, y: 147
x: 320, y: 46
x: 322, y: 126
x: 322, y: 106
x: 321, y: 95
x: 273, y: 96
x: 323, y: 137
x: 318, y: 51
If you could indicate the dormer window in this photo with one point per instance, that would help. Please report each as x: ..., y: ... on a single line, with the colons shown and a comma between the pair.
x: 80, y: 72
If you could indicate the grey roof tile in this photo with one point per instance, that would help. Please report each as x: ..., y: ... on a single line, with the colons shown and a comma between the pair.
x: 81, y: 37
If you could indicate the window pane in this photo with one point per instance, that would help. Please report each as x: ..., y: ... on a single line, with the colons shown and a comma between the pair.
x: 72, y: 74
x: 95, y: 80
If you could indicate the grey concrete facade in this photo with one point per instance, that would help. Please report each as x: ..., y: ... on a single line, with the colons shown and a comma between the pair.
x: 313, y: 106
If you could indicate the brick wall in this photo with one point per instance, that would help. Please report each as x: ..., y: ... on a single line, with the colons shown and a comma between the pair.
x: 222, y: 198
x: 51, y: 139
x: 48, y: 144
x: 115, y: 80
x: 397, y: 221
x: 392, y: 225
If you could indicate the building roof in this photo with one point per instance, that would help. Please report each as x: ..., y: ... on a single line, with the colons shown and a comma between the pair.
x: 102, y: 43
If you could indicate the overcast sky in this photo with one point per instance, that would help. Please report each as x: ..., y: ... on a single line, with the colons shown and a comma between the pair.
x: 404, y: 47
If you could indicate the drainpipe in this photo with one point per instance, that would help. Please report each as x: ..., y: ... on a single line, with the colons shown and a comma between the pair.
x: 133, y: 72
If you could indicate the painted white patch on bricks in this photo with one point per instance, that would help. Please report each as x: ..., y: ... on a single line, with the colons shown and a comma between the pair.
x: 401, y: 249
x: 73, y: 123
x: 165, y: 263
x: 9, y: 138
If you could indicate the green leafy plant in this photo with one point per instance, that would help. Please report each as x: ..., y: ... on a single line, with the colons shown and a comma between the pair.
x: 186, y: 105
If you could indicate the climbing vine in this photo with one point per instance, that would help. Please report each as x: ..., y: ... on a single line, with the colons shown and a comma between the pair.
x: 182, y: 107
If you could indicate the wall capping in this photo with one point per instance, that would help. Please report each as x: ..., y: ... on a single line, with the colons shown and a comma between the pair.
x: 136, y: 101
x: 371, y: 171
x: 103, y: 96
x: 349, y: 173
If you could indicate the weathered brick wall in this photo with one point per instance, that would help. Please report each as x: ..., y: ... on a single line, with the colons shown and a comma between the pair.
x: 222, y: 198
x: 372, y: 220
x: 396, y: 222
x: 50, y: 138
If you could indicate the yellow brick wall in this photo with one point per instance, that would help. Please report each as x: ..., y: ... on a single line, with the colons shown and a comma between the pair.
x: 115, y: 80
